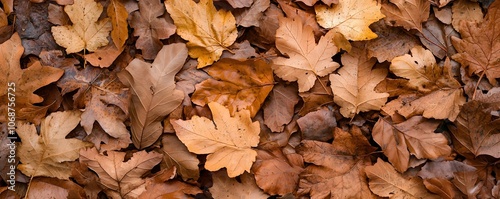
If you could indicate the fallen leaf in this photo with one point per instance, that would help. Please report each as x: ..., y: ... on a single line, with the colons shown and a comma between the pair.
x: 410, y: 14
x: 307, y: 60
x: 240, y: 3
x: 150, y: 27
x: 153, y: 92
x: 122, y: 179
x: 351, y: 18
x: 391, y: 42
x: 55, y: 188
x: 105, y: 56
x: 437, y: 37
x: 162, y: 186
x: 353, y: 86
x: 225, y: 187
x: 87, y: 32
x: 468, y: 183
x: 443, y: 169
x: 236, y: 84
x: 207, y: 30
x: 23, y: 82
x: 187, y: 78
x: 104, y: 142
x: 49, y: 153
x: 225, y: 138
x: 463, y: 10
x: 240, y: 51
x: 318, y: 125
x: 444, y: 14
x: 250, y: 16
x: 337, y: 169
x: 57, y: 16
x: 319, y: 95
x: 387, y: 182
x: 279, y: 109
x: 292, y: 10
x: 478, y: 51
x: 442, y: 187
x: 175, y: 154
x: 118, y: 14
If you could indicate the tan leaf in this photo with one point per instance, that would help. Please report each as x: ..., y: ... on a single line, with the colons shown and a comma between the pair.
x: 478, y: 50
x: 24, y: 82
x: 319, y: 95
x: 410, y: 14
x: 318, y: 125
x: 350, y: 17
x: 443, y: 169
x: 279, y: 109
x: 250, y: 16
x: 437, y: 37
x: 387, y: 182
x: 118, y: 14
x: 121, y: 178
x: 463, y: 10
x: 391, y: 42
x: 55, y: 189
x: 208, y: 31
x: 161, y: 185
x: 240, y: 3
x: 105, y: 56
x: 337, y: 170
x: 307, y: 60
x: 175, y: 154
x: 292, y: 10
x: 87, y: 32
x: 353, y: 86
x: 442, y: 187
x: 49, y: 153
x: 236, y: 84
x: 225, y: 139
x: 225, y: 187
x: 468, y: 183
x: 153, y: 92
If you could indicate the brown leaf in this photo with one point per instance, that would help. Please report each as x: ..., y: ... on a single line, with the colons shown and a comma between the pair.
x: 319, y: 95
x: 120, y: 178
x: 443, y: 169
x: 105, y: 56
x: 308, y: 16
x: 153, y: 92
x: 150, y: 26
x: 104, y: 142
x: 463, y: 10
x: 250, y: 16
x: 240, y: 3
x: 443, y: 14
x: 187, y: 78
x: 239, y: 85
x: 175, y: 154
x: 118, y: 14
x: 279, y: 108
x: 391, y: 42
x: 443, y: 188
x: 162, y: 186
x: 338, y: 169
x: 225, y: 187
x: 57, y: 15
x: 55, y: 188
x: 468, y: 183
x: 410, y: 14
x: 437, y: 37
x: 318, y: 125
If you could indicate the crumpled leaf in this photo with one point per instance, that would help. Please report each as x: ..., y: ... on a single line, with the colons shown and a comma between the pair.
x: 237, y: 84
x: 153, y: 92
x: 87, y: 32
x: 410, y: 14
x: 118, y: 14
x: 207, y: 30
x: 225, y: 139
x: 387, y: 182
x: 307, y: 60
x: 353, y: 86
x: 26, y: 82
x: 479, y: 50
x: 121, y: 179
x: 49, y: 153
x: 351, y: 18
x: 225, y: 187
x: 337, y: 169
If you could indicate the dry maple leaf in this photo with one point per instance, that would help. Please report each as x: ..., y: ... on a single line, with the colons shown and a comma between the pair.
x: 353, y: 86
x: 49, y: 153
x: 307, y: 60
x: 153, y: 92
x: 337, y: 169
x: 175, y: 154
x: 410, y: 14
x: 121, y: 179
x: 387, y: 182
x: 225, y: 139
x: 86, y: 32
x: 237, y: 84
x: 351, y: 18
x: 118, y: 14
x: 463, y: 10
x: 26, y: 81
x: 414, y: 136
x: 225, y: 187
x: 479, y: 49
x: 207, y: 30
x: 475, y: 131
x: 150, y: 26
x: 293, y: 10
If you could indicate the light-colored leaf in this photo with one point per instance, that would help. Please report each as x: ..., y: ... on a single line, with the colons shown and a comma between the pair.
x: 118, y: 14
x: 228, y: 188
x: 175, y: 154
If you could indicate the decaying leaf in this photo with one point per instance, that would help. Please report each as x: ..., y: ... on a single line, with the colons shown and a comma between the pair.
x: 351, y: 18
x: 464, y: 10
x: 391, y: 42
x: 118, y: 14
x: 162, y: 186
x: 410, y: 14
x: 307, y: 60
x: 207, y: 30
x: 153, y: 92
x: 225, y: 187
x: 87, y: 32
x: 225, y: 139
x: 250, y: 16
x: 49, y: 153
x: 175, y: 154
x: 279, y: 109
x: 239, y: 85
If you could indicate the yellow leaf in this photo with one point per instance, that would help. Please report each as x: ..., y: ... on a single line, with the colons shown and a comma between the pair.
x: 208, y: 31
x: 353, y: 86
x: 225, y: 139
x: 118, y: 13
x: 86, y: 32
x: 350, y: 17
x: 308, y: 60
x: 49, y: 153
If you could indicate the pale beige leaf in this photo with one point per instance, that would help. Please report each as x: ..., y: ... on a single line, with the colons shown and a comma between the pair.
x: 225, y: 187
x: 351, y: 18
x: 154, y: 93
x: 225, y: 139
x: 464, y: 10
x: 307, y: 60
x: 177, y: 155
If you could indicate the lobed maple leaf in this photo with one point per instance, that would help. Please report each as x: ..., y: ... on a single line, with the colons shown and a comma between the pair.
x: 153, y: 92
x: 225, y: 139
x: 307, y: 60
x: 49, y: 153
x: 207, y: 30
x: 87, y: 32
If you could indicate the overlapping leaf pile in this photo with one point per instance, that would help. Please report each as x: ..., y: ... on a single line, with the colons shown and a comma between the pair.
x: 251, y: 98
